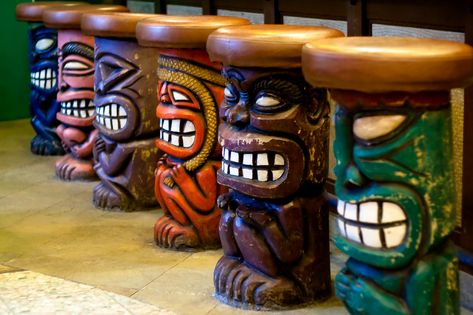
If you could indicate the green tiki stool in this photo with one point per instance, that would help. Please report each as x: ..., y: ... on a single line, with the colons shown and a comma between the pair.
x: 396, y: 208
x: 43, y: 71
x: 75, y: 89
x: 275, y: 140
x: 125, y: 101
x: 190, y: 88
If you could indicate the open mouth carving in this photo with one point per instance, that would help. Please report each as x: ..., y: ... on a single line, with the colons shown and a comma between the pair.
x: 377, y: 224
x: 178, y: 132
x: 44, y: 79
x: 81, y: 108
x: 259, y: 166
x: 112, y: 116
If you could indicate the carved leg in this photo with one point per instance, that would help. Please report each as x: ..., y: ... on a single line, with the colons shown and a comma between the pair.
x: 69, y: 168
x: 46, y: 142
x: 109, y: 196
x: 168, y: 233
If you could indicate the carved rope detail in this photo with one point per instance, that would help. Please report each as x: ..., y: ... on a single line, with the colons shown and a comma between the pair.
x: 188, y: 75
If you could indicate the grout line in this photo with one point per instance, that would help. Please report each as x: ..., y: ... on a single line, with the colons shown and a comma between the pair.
x: 213, y: 308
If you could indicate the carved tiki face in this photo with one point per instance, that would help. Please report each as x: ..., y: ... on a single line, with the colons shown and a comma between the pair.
x: 43, y: 59
x: 394, y: 181
x: 275, y: 133
x: 76, y: 78
x: 124, y: 100
x: 189, y: 92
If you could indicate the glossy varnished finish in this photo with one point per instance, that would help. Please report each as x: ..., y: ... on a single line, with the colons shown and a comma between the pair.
x: 33, y: 11
x: 113, y: 24
x: 70, y: 17
x: 274, y: 227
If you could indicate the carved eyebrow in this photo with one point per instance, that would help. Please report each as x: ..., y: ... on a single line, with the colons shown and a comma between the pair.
x: 75, y: 48
x: 283, y: 87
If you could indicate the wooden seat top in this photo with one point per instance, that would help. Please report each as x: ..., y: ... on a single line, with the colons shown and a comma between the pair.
x: 382, y: 64
x: 70, y: 17
x: 112, y: 24
x: 33, y: 11
x: 266, y: 45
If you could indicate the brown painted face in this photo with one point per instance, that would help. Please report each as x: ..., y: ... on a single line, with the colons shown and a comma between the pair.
x: 275, y: 133
x: 76, y: 78
x: 125, y: 83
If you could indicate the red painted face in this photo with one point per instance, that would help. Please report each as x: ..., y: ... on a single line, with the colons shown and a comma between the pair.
x: 181, y: 121
x: 76, y: 78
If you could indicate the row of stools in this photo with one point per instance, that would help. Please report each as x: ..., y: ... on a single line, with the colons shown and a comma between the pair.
x: 226, y: 126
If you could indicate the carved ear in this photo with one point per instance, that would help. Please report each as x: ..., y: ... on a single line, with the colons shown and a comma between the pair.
x: 114, y: 73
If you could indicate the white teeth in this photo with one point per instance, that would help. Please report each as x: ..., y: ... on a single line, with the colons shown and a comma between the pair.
x: 248, y: 159
x: 166, y: 136
x: 277, y: 174
x: 371, y: 237
x: 262, y: 159
x: 42, y: 74
x: 234, y: 157
x: 108, y: 123
x: 369, y: 212
x: 175, y: 125
x: 189, y: 127
x: 115, y: 124
x: 225, y: 168
x: 69, y: 111
x: 188, y: 141
x: 122, y: 112
x: 107, y: 111
x: 226, y: 154
x: 233, y: 171
x: 341, y: 227
x: 341, y: 207
x: 113, y: 112
x: 82, y: 104
x: 392, y: 213
x: 394, y: 235
x: 91, y: 112
x: 123, y: 122
x: 48, y: 73
x: 353, y: 233
x: 166, y: 124
x: 175, y: 140
x: 76, y: 113
x: 83, y: 113
x: 351, y: 211
x: 262, y: 175
x: 161, y: 123
x: 247, y: 173
x: 278, y: 159
x: 48, y: 84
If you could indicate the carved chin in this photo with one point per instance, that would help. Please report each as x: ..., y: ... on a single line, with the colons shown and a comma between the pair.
x: 374, y: 224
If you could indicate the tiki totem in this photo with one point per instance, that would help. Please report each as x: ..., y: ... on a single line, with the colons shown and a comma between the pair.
x: 274, y: 226
x: 189, y: 90
x: 396, y: 208
x: 125, y: 101
x: 76, y: 90
x: 43, y: 71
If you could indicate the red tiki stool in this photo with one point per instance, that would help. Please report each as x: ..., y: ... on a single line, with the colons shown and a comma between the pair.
x: 189, y: 90
x: 75, y: 89
x: 275, y: 135
x: 43, y: 69
x: 125, y: 102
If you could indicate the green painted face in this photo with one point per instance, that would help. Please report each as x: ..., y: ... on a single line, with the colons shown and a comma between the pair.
x: 394, y: 183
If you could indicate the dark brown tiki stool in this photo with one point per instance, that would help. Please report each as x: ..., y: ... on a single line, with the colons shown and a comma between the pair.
x: 395, y: 183
x: 125, y: 101
x: 43, y: 72
x: 190, y: 88
x: 75, y: 89
x: 274, y: 135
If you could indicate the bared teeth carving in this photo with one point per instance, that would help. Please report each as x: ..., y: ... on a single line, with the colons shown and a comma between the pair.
x: 112, y: 116
x: 44, y: 79
x: 374, y: 224
x: 81, y: 108
x: 262, y: 167
x: 178, y: 132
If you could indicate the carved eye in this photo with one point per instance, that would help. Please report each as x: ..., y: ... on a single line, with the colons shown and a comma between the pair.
x: 268, y: 102
x: 230, y: 96
x: 75, y: 66
x: 178, y: 96
x: 372, y: 127
x: 43, y: 44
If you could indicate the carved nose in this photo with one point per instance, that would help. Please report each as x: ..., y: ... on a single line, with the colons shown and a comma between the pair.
x: 353, y: 177
x: 238, y: 115
x: 63, y: 86
x: 165, y: 98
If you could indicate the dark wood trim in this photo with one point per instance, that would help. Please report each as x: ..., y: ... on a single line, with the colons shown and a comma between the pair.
x: 271, y: 12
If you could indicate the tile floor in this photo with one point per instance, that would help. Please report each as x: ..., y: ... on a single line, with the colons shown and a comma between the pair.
x: 58, y: 254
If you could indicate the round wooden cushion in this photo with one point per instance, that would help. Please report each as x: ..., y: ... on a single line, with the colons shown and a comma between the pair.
x: 70, y: 17
x: 182, y: 31
x: 267, y: 45
x: 112, y: 24
x: 382, y: 64
x: 33, y: 11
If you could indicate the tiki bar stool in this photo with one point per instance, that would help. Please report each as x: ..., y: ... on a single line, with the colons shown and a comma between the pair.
x: 76, y: 89
x: 393, y: 145
x: 190, y: 90
x: 125, y: 103
x: 43, y: 71
x: 275, y: 139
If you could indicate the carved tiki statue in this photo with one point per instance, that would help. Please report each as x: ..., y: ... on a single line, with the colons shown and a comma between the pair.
x: 76, y: 90
x: 396, y: 209
x: 125, y: 100
x: 43, y: 70
x: 274, y: 227
x: 189, y: 89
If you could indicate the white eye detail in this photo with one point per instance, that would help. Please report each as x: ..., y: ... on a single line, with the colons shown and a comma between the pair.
x: 75, y: 65
x: 267, y: 101
x: 228, y: 92
x: 178, y: 96
x: 44, y: 44
x: 371, y: 127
